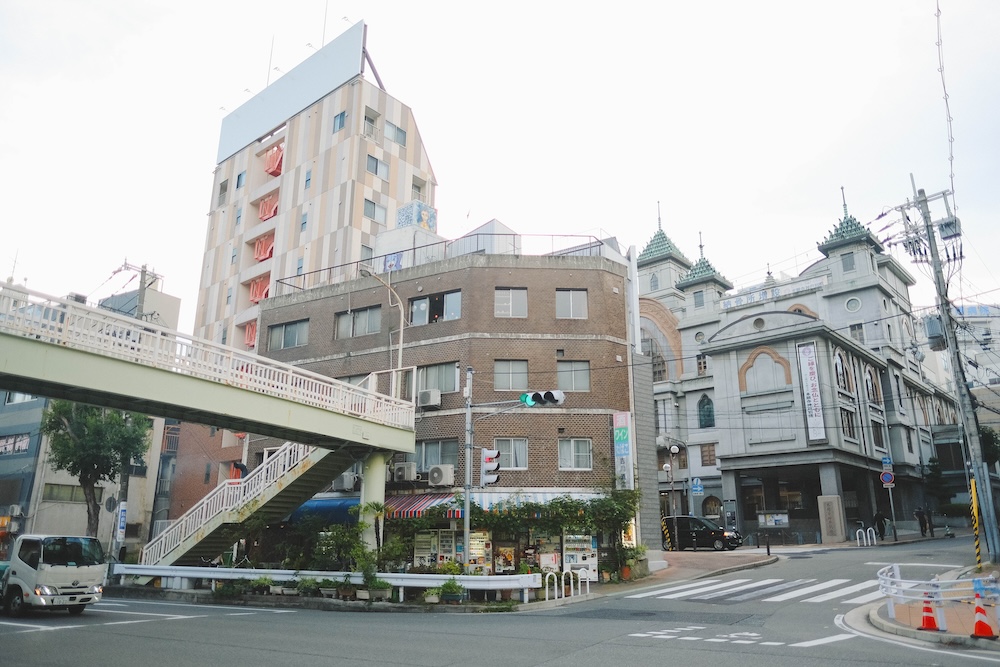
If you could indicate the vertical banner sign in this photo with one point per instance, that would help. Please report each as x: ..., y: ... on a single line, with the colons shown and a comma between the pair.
x: 121, y: 523
x: 813, y: 401
x: 624, y: 478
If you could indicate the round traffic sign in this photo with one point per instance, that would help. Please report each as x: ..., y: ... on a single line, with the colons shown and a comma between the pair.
x: 887, y: 478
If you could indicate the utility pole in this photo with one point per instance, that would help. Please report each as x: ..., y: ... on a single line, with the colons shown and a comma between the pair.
x: 467, y: 525
x: 966, y: 410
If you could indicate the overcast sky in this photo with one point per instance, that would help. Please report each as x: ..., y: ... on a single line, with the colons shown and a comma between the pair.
x: 743, y: 118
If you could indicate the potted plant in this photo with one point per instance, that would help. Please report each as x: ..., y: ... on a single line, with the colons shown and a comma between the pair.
x: 452, y: 592
x: 261, y: 585
x: 290, y: 588
x: 307, y: 587
x: 432, y: 595
x: 327, y: 588
x: 346, y: 589
x: 379, y: 589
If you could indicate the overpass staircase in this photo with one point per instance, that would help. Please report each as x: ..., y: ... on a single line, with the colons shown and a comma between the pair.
x: 273, y: 490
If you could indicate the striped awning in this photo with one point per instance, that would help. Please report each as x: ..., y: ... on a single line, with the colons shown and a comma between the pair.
x: 499, y: 499
x: 410, y: 507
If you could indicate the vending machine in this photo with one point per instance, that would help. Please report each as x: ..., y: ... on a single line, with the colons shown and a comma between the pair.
x: 580, y: 553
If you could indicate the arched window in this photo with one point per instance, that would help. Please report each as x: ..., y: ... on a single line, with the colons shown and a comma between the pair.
x: 842, y: 370
x: 651, y: 348
x: 872, y: 388
x: 706, y: 413
x: 654, y: 283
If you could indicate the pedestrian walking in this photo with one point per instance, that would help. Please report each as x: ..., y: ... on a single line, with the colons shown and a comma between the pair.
x: 879, y: 522
x: 921, y: 518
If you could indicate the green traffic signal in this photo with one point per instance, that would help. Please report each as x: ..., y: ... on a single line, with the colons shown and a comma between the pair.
x: 527, y: 400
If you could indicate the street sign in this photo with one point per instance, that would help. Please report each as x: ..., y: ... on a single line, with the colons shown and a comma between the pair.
x: 887, y: 460
x: 888, y: 486
x: 887, y: 478
x: 697, y: 488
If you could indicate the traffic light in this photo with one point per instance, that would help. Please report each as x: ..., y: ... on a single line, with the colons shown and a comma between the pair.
x: 488, y: 462
x: 550, y: 397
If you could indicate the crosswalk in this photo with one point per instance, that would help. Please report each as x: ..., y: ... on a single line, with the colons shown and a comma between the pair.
x: 842, y: 591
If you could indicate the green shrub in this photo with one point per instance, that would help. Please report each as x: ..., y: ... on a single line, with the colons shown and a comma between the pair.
x: 452, y: 587
x: 307, y: 587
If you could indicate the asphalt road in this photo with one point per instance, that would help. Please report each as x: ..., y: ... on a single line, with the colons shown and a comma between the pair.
x: 788, y: 613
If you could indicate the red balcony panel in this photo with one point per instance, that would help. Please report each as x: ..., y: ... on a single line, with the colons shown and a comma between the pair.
x: 272, y: 163
x: 250, y: 335
x: 260, y: 288
x: 268, y: 207
x: 264, y: 248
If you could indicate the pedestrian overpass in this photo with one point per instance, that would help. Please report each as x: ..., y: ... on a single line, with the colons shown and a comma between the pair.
x: 63, y: 349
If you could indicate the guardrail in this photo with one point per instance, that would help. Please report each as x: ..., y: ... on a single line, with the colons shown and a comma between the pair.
x: 70, y: 324
x: 936, y: 592
x: 181, y: 577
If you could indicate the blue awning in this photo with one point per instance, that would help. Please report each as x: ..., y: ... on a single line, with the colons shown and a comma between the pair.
x: 332, y: 510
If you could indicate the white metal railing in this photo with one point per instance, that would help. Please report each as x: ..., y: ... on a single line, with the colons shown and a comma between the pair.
x: 935, y: 592
x: 866, y: 537
x: 231, y: 494
x: 74, y: 325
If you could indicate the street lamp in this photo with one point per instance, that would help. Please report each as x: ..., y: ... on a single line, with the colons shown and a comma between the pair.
x: 367, y: 273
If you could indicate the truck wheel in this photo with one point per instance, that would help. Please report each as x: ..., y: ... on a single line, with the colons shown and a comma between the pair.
x: 77, y: 610
x: 14, y: 603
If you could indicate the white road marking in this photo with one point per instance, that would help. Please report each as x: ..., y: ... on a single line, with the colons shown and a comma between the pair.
x: 824, y: 640
x: 799, y: 592
x: 772, y: 643
x: 772, y: 589
x: 703, y: 589
x: 672, y: 588
x: 752, y: 584
x: 247, y: 613
x: 843, y: 591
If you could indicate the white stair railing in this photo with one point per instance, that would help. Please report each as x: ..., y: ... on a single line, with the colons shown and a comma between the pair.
x: 231, y: 494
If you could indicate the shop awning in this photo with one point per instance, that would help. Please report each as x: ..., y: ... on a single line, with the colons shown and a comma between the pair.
x: 332, y: 510
x: 499, y: 499
x: 410, y: 507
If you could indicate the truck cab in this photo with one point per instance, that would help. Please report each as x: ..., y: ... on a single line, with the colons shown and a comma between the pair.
x: 52, y: 572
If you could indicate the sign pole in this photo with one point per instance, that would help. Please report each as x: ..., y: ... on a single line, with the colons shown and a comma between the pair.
x: 892, y: 513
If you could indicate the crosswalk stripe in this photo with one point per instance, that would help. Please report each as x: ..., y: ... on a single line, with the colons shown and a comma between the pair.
x: 843, y: 591
x: 704, y: 589
x: 772, y: 589
x: 752, y: 584
x: 824, y: 640
x: 877, y: 595
x: 806, y: 591
x: 661, y: 591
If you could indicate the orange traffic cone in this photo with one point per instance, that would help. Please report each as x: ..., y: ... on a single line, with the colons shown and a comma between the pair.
x: 983, y: 629
x: 928, y: 622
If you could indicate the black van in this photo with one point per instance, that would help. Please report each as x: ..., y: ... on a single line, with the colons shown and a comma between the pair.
x: 698, y: 532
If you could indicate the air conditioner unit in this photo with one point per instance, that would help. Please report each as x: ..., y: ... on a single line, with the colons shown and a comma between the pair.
x: 429, y: 398
x: 16, y: 510
x: 442, y: 475
x: 406, y: 472
x: 345, y: 482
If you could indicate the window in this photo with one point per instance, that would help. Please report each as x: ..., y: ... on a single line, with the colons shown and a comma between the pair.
x: 899, y: 393
x: 232, y: 259
x: 877, y: 440
x: 417, y: 192
x: 208, y: 473
x: 393, y: 133
x: 434, y: 452
x: 510, y: 302
x: 573, y: 375
x: 14, y: 444
x: 436, y: 307
x: 229, y: 296
x: 575, y: 454
x: 359, y: 322
x: 223, y: 189
x: 651, y: 349
x: 909, y: 441
x: 67, y: 493
x: 510, y: 375
x: 239, y: 216
x: 225, y: 336
x: 304, y: 222
x: 847, y: 261
x: 379, y: 168
x: 513, y: 453
x: 847, y: 423
x: 241, y: 180
x: 872, y: 388
x: 443, y: 377
x: 366, y: 253
x: 699, y: 299
x: 706, y: 413
x: 370, y: 129
x: 291, y: 334
x: 842, y: 372
x: 299, y: 266
x: 858, y: 332
x: 702, y: 363
x: 708, y: 456
x: 571, y: 303
x: 654, y: 283
x: 374, y: 212
x: 339, y: 121
x: 309, y: 178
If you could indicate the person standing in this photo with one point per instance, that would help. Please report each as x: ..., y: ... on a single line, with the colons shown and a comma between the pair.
x: 921, y: 518
x: 879, y: 522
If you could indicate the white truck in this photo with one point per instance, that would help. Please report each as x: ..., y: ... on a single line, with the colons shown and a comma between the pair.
x: 51, y: 572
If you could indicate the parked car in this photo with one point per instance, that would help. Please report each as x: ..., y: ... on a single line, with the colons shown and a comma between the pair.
x: 698, y: 532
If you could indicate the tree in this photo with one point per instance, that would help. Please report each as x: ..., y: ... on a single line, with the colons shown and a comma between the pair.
x: 990, y: 442
x: 93, y: 444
